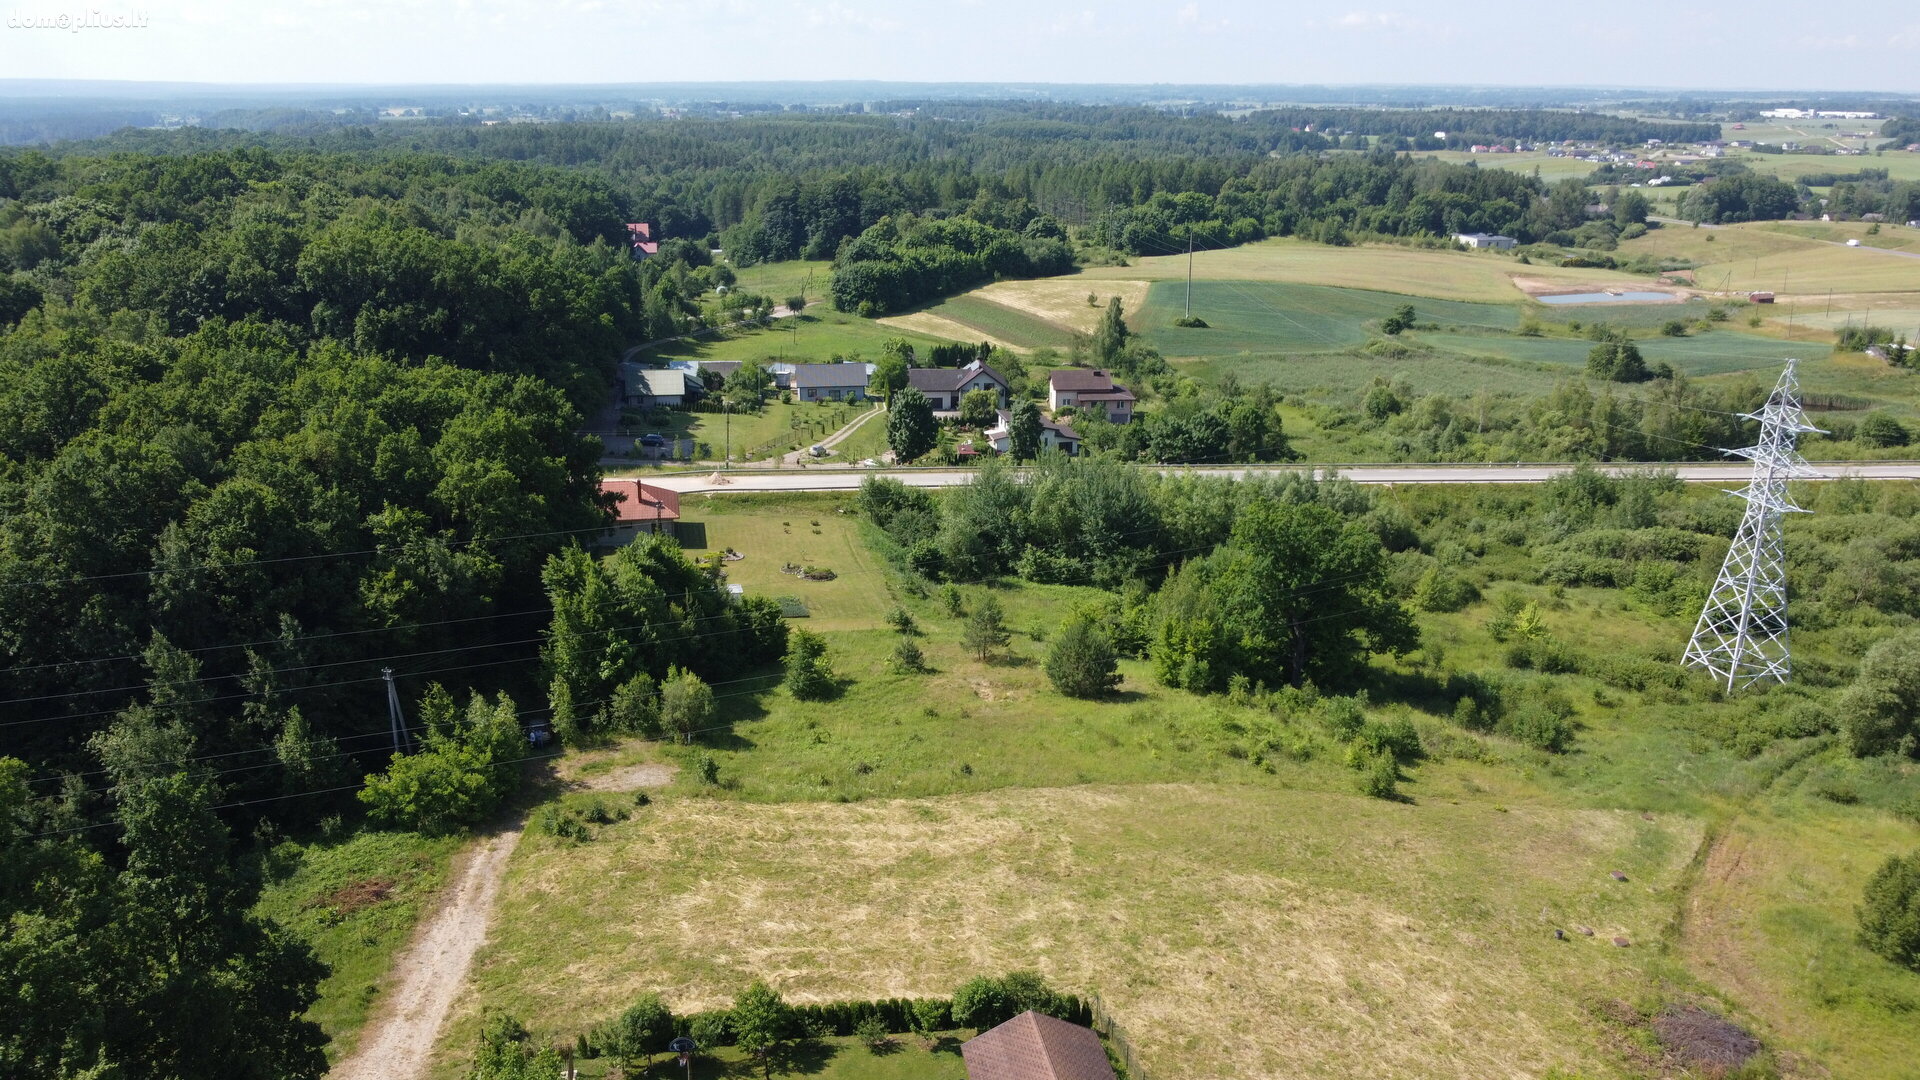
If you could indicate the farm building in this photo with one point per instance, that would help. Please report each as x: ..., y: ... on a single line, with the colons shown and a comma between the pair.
x: 1033, y: 1046
x: 829, y: 382
x: 1760, y: 297
x: 651, y: 388
x: 1080, y: 388
x: 1488, y: 241
x: 640, y: 508
x: 945, y: 387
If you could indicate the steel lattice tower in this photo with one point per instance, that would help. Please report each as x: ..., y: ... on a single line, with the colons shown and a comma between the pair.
x: 1742, y: 633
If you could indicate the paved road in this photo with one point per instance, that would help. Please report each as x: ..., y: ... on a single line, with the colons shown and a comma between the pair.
x: 840, y: 479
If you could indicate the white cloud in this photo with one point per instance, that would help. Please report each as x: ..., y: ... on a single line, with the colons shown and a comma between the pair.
x: 838, y: 14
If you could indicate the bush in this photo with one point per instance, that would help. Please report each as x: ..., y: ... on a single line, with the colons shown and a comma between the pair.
x: 901, y: 619
x: 1890, y: 911
x: 1543, y: 722
x: 642, y: 1031
x: 1379, y: 777
x: 1441, y: 590
x: 872, y: 1031
x: 908, y: 659
x: 950, y: 597
x: 708, y: 769
x: 686, y: 704
x: 1082, y: 662
x: 809, y: 673
x: 1879, y: 429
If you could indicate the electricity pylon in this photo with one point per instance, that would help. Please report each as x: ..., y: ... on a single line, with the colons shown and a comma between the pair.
x: 1742, y: 633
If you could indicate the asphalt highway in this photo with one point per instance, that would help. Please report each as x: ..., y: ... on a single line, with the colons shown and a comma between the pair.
x: 846, y: 479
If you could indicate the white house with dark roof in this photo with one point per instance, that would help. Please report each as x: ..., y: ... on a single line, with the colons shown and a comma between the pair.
x: 829, y: 382
x: 1088, y: 388
x: 945, y: 387
x: 1054, y: 435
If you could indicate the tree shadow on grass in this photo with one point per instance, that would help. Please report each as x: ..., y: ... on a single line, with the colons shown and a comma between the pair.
x: 805, y: 1057
x: 946, y: 1044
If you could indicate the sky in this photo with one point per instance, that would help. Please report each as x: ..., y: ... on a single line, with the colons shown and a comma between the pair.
x: 1707, y: 44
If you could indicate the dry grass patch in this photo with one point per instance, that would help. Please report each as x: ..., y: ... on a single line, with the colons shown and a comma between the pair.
x: 1063, y: 301
x: 1237, y: 930
x: 1444, y: 275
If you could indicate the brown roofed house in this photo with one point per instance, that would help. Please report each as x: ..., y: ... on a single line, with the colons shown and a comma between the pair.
x: 1034, y: 1046
x: 639, y: 508
x: 1089, y: 388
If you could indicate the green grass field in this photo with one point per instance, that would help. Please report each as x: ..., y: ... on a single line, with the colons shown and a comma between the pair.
x: 816, y: 336
x: 1264, y: 317
x: 356, y: 902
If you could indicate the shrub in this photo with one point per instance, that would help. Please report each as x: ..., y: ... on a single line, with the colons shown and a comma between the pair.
x: 1379, y: 777
x: 1441, y: 590
x: 1344, y: 716
x: 908, y: 659
x: 1081, y: 662
x: 708, y: 769
x: 643, y: 1030
x: 1543, y: 722
x: 1879, y: 429
x: 950, y: 597
x: 686, y: 703
x: 1890, y: 911
x: 809, y: 673
x: 901, y: 619
x: 985, y: 630
x: 1395, y: 738
x: 872, y: 1031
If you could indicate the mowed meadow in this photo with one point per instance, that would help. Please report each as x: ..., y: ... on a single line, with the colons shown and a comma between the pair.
x: 1205, y: 865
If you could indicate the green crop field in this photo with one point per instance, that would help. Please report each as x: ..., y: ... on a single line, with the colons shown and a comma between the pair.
x: 1261, y: 317
x: 1001, y: 323
x: 1711, y: 353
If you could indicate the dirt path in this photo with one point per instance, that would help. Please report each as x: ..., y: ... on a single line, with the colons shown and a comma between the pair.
x: 433, y: 970
x: 832, y: 440
x: 429, y: 976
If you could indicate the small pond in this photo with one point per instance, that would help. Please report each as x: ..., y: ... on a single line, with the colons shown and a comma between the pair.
x: 1606, y: 298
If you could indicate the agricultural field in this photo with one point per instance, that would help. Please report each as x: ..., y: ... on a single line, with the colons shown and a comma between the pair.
x: 1792, y: 261
x: 918, y: 830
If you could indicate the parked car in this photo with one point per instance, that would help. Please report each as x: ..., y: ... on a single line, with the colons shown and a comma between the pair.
x: 818, y: 450
x: 653, y: 439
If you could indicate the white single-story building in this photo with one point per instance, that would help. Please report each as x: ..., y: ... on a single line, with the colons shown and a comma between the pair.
x: 1489, y: 241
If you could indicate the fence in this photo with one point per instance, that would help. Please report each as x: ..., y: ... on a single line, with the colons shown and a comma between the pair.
x: 1116, y: 1036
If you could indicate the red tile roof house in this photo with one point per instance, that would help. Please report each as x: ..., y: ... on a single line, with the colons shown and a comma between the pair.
x: 1033, y: 1046
x: 829, y: 382
x: 945, y: 387
x: 641, y: 241
x: 1081, y: 388
x: 641, y: 508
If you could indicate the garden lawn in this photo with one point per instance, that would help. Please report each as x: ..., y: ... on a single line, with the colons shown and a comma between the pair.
x: 773, y: 530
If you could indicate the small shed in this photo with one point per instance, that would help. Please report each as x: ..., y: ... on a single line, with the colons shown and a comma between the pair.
x: 1760, y: 297
x: 1034, y: 1046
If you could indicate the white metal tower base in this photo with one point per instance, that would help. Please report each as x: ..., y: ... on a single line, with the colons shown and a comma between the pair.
x: 1742, y: 633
